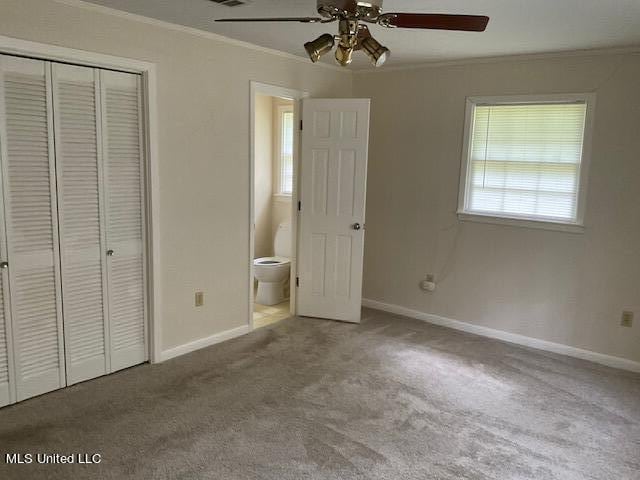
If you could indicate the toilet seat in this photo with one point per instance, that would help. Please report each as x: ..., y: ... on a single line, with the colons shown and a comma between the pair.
x: 271, y: 261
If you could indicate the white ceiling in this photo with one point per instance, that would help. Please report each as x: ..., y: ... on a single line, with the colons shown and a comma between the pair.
x: 516, y: 26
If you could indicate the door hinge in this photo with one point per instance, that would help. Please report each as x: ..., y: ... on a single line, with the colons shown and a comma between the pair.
x: 297, y: 281
x: 300, y: 124
x: 299, y: 206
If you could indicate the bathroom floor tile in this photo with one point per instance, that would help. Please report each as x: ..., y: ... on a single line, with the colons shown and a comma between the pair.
x: 266, y: 315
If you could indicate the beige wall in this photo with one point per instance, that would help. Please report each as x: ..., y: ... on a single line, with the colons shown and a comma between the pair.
x: 561, y: 287
x: 203, y: 130
x: 263, y: 178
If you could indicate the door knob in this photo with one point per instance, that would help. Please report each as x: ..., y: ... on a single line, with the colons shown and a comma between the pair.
x: 110, y: 253
x: 4, y: 264
x: 356, y: 226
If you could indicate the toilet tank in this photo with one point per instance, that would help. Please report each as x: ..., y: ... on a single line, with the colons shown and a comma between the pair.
x: 282, y: 241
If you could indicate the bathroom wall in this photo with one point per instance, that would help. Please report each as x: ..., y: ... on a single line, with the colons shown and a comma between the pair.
x: 271, y: 209
x: 263, y: 179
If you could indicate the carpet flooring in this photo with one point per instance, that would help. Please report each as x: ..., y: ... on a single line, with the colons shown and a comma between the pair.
x: 391, y: 398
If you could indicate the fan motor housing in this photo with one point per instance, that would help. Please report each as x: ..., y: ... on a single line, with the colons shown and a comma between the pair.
x: 369, y: 9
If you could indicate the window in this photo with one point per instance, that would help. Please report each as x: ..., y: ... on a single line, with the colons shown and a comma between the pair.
x: 285, y: 151
x: 524, y: 159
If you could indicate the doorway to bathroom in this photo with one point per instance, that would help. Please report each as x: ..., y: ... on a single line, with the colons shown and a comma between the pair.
x: 275, y: 133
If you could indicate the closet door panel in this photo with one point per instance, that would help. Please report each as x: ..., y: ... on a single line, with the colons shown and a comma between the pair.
x: 7, y: 384
x: 123, y: 173
x: 78, y: 166
x: 7, y: 394
x: 32, y: 231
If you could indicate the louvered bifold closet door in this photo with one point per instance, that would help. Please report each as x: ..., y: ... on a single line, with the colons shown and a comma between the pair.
x: 76, y: 103
x: 7, y: 385
x: 7, y: 392
x: 29, y: 191
x: 124, y: 199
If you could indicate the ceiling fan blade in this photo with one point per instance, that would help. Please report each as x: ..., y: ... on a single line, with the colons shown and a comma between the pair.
x: 283, y: 19
x: 435, y: 21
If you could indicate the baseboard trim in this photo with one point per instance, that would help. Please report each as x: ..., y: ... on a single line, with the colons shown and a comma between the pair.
x: 608, y: 360
x: 203, y: 342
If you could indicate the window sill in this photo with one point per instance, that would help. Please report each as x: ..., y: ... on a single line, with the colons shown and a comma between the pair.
x: 282, y: 197
x: 521, y: 222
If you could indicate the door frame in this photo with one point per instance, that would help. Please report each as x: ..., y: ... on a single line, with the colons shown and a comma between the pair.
x: 147, y: 70
x: 297, y: 96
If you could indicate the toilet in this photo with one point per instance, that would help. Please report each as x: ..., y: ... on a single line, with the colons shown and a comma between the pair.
x: 272, y: 272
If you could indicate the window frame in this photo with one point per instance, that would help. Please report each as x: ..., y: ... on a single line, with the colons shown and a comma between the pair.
x: 576, y: 226
x: 281, y: 110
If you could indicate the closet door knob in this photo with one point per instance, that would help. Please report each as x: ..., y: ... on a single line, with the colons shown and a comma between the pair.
x: 4, y: 264
x: 110, y: 253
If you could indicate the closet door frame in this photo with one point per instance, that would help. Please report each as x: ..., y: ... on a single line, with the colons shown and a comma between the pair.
x: 148, y: 92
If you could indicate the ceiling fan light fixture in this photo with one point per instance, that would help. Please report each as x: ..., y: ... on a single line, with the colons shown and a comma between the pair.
x: 318, y: 47
x: 378, y: 54
x: 353, y: 33
x: 344, y: 55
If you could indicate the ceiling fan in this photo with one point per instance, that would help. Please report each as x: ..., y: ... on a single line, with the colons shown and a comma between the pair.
x: 354, y: 34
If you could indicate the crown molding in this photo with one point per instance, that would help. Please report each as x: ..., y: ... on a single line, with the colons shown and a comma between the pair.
x: 134, y: 17
x: 628, y: 50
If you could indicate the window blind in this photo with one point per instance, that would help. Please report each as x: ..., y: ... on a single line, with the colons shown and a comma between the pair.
x: 525, y: 160
x: 286, y: 154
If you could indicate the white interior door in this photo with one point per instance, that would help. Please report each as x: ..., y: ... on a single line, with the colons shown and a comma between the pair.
x: 76, y: 102
x: 333, y: 173
x: 124, y: 198
x: 29, y: 188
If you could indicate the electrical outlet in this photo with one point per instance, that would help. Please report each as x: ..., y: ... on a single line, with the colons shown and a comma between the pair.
x: 199, y: 299
x: 627, y: 319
